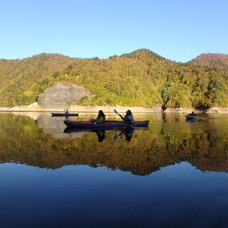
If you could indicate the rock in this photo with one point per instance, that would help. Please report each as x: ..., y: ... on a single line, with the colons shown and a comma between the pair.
x: 31, y: 107
x: 217, y: 110
x: 62, y: 95
x: 181, y: 110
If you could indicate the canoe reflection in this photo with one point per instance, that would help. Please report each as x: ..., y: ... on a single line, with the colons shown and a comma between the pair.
x: 128, y: 133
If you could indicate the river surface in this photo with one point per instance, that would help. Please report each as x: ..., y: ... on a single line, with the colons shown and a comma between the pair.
x: 173, y: 174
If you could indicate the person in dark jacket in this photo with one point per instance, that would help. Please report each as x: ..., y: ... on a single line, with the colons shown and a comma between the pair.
x: 128, y: 116
x: 192, y: 114
x: 100, y: 118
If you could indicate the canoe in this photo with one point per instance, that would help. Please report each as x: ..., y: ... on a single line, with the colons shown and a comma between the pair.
x: 110, y: 124
x: 64, y: 114
x: 194, y: 118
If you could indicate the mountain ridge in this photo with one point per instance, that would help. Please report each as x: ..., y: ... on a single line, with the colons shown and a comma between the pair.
x: 140, y: 78
x: 218, y: 60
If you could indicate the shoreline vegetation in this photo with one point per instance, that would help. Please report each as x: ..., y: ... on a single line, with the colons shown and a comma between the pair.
x: 35, y: 107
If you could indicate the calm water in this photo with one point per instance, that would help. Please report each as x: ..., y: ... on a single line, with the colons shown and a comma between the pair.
x: 173, y: 174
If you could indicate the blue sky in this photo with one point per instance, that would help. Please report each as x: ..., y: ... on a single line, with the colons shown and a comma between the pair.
x: 178, y: 30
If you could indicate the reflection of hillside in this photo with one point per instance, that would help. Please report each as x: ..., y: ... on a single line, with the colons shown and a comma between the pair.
x: 205, y: 164
x: 32, y: 115
x: 204, y: 144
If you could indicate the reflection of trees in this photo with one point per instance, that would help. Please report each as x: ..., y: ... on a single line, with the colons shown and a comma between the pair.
x: 202, y: 144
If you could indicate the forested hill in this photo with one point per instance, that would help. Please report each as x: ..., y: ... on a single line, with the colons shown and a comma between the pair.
x: 211, y: 60
x: 140, y: 78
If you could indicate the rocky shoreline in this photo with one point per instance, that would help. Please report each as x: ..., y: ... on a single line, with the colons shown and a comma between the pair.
x: 35, y: 107
x: 212, y: 110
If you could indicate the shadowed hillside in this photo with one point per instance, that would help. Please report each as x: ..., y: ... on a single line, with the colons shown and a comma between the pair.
x: 140, y: 78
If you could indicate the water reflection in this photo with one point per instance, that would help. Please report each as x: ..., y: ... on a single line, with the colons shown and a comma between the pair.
x: 100, y: 135
x: 128, y: 133
x: 169, y: 140
x: 64, y: 197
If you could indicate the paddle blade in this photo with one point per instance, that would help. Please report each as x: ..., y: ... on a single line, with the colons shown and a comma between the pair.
x: 115, y: 111
x: 115, y: 137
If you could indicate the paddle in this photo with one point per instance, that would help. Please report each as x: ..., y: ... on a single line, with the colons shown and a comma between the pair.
x: 118, y: 114
x: 116, y: 136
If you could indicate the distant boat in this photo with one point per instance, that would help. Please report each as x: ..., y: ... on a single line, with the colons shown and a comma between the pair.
x: 67, y: 114
x: 194, y: 118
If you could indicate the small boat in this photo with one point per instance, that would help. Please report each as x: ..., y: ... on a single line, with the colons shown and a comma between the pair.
x: 108, y: 124
x: 194, y: 118
x: 64, y: 114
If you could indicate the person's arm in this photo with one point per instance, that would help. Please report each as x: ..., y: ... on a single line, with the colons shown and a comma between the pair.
x: 121, y: 116
x: 101, y: 120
